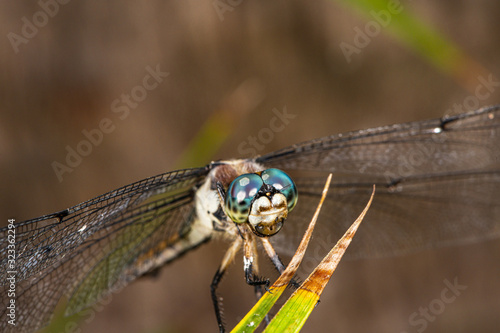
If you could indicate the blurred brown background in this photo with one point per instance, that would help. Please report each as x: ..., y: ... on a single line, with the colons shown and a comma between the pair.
x: 261, y: 56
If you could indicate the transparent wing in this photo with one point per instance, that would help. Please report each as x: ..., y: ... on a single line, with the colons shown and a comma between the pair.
x: 438, y: 183
x: 87, y: 250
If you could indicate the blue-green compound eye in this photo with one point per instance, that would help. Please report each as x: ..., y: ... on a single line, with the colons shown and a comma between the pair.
x: 239, y: 196
x: 283, y: 183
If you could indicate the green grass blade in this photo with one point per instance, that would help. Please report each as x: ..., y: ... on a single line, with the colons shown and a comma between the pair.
x: 295, y: 312
x: 420, y: 37
x: 255, y: 316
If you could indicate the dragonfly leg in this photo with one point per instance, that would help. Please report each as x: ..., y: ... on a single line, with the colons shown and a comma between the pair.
x: 250, y: 262
x: 271, y: 253
x: 253, y: 267
x: 253, y: 279
x: 276, y: 260
x: 228, y: 258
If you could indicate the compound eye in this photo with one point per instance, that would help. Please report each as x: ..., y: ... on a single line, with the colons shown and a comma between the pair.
x: 283, y: 183
x: 240, y: 195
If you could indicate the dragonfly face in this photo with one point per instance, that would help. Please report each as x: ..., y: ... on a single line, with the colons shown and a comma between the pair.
x: 262, y: 199
x: 438, y: 183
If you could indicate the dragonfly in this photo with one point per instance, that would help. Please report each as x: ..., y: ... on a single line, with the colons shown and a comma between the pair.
x: 438, y: 184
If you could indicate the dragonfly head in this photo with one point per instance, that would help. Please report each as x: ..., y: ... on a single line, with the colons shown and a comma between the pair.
x: 268, y: 214
x: 261, y: 199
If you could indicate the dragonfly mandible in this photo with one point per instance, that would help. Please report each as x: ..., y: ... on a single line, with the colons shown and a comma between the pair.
x: 438, y: 183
